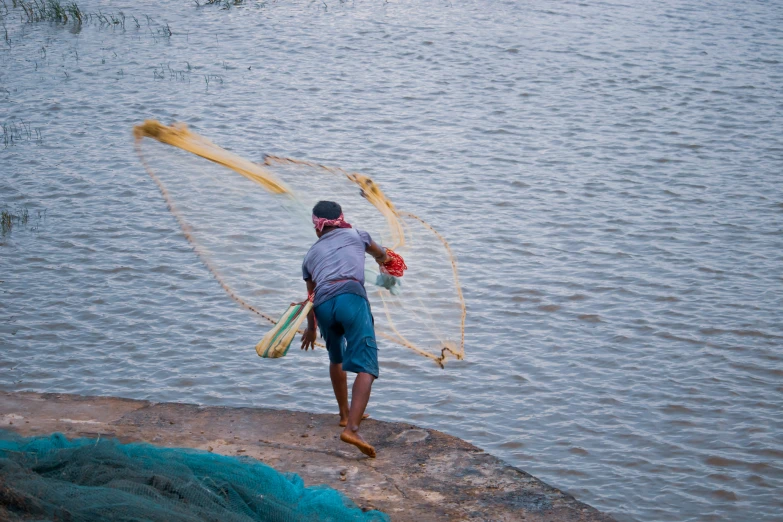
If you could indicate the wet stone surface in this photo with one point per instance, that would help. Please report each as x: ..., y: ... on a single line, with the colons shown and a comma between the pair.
x: 419, y: 474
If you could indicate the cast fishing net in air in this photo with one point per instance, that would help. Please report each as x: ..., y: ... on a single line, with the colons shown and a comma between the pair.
x: 250, y: 223
x: 97, y: 480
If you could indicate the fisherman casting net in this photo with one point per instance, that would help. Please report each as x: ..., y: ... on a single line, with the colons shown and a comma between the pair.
x: 255, y: 254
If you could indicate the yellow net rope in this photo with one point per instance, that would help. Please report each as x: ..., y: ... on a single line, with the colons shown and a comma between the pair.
x: 432, y: 307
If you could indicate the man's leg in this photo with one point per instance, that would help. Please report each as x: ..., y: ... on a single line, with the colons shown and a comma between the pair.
x: 340, y: 386
x: 332, y: 333
x: 360, y: 357
x: 360, y: 396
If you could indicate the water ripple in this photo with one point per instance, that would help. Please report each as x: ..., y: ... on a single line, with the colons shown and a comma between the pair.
x: 607, y: 176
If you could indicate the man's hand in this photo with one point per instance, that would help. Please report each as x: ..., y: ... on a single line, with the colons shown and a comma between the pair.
x: 308, y: 339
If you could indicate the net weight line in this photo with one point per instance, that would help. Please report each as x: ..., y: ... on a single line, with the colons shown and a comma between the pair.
x: 186, y: 230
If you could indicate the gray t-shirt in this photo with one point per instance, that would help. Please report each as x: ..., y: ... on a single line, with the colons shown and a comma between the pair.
x: 336, y: 263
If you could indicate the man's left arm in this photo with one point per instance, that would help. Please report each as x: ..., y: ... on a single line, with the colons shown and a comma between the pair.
x: 309, y: 335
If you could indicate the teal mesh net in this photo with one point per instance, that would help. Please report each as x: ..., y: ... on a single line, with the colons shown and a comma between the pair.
x: 53, y: 478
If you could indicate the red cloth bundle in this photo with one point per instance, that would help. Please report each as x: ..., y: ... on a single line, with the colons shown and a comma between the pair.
x: 395, y: 266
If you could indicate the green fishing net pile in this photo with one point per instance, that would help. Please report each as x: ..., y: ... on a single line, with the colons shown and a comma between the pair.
x: 53, y: 478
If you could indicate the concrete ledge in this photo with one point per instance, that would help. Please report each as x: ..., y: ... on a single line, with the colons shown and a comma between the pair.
x: 419, y: 475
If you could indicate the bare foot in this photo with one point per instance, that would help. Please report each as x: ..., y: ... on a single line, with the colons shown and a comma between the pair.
x: 357, y: 440
x: 344, y: 421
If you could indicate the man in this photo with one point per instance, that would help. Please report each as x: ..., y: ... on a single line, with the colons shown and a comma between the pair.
x: 333, y: 269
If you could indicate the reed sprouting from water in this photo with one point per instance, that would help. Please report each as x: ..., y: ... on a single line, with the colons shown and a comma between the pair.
x: 63, y: 13
x: 3, y: 13
x: 58, y: 12
x: 226, y: 4
x: 51, y: 11
x: 9, y: 219
x: 6, y: 222
x: 14, y: 131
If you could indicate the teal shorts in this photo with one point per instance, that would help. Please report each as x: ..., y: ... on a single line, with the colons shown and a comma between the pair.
x: 346, y: 324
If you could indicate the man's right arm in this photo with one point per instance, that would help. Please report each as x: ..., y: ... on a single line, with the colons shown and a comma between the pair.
x: 378, y: 252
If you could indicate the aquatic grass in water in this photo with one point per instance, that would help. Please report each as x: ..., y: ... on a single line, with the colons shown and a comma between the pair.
x: 212, y: 78
x: 3, y: 13
x: 14, y: 131
x: 51, y: 11
x: 12, y: 218
x: 226, y: 4
x: 9, y: 218
x: 6, y: 222
x: 71, y: 15
x: 59, y: 13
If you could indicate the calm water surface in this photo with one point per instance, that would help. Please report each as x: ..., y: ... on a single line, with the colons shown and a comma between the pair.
x: 608, y: 174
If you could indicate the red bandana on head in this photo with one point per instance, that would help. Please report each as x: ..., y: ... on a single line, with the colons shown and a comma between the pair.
x: 320, y: 223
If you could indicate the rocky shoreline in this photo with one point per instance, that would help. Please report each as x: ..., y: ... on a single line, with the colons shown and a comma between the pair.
x: 420, y: 474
